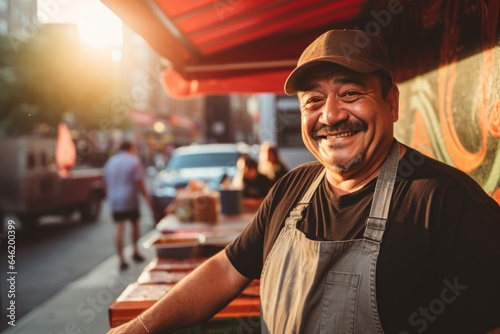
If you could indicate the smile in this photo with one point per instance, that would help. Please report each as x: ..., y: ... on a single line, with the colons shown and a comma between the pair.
x: 343, y: 134
x: 340, y: 130
x: 335, y: 136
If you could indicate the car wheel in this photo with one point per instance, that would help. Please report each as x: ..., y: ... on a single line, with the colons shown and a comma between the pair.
x: 91, y: 209
x: 29, y: 221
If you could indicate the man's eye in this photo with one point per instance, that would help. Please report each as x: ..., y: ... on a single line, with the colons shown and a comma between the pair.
x: 306, y: 101
x: 311, y: 103
x: 313, y: 100
x: 350, y: 96
x: 349, y: 93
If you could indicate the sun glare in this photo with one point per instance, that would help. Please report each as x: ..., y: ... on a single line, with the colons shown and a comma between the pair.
x: 102, y: 28
x: 116, y: 55
x: 97, y: 25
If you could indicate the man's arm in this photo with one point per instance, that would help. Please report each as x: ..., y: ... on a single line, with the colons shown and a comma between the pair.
x: 142, y: 189
x: 196, y: 298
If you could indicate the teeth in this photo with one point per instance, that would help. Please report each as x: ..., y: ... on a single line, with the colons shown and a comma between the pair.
x: 343, y: 134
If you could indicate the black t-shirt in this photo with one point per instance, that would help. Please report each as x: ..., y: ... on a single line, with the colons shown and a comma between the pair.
x: 439, y: 266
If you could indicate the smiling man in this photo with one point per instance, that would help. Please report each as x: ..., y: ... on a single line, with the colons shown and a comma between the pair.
x: 354, y: 243
x: 345, y: 116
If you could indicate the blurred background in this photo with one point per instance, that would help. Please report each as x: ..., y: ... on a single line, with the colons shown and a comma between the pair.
x: 75, y: 81
x: 74, y: 61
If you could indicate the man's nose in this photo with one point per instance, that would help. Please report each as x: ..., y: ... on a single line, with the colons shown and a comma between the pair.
x: 333, y: 111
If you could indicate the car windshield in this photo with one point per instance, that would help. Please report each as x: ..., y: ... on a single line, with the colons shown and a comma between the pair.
x: 202, y: 160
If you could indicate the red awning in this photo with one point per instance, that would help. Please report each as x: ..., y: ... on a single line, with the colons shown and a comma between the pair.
x: 271, y: 82
x: 226, y: 46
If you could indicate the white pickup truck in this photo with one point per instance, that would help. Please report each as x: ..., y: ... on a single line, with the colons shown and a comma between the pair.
x: 31, y: 186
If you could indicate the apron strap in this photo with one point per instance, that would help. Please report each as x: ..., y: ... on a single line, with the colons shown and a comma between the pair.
x: 298, y: 210
x: 376, y: 224
x: 306, y: 199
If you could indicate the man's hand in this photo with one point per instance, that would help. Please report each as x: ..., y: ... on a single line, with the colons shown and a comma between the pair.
x: 134, y: 326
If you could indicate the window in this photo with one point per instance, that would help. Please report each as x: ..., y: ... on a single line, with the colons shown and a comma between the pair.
x: 288, y: 122
x: 31, y: 161
x: 4, y: 26
x: 4, y: 6
x: 43, y: 159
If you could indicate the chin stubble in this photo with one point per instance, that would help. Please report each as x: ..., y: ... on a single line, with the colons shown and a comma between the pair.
x: 351, y: 164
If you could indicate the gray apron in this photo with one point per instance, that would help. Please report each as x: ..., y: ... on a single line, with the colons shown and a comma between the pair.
x: 310, y: 286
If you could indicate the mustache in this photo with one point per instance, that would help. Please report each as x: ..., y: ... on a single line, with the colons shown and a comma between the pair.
x: 341, y: 126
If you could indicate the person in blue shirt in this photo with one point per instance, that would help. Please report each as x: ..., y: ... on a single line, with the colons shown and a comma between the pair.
x: 124, y: 179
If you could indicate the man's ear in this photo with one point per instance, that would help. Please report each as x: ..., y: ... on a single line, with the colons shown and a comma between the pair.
x: 393, y: 100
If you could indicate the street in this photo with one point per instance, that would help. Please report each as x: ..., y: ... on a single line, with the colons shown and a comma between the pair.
x: 58, y: 252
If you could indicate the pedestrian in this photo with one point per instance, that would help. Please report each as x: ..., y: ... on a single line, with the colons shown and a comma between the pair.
x: 271, y: 163
x: 374, y: 237
x: 249, y: 179
x: 124, y: 179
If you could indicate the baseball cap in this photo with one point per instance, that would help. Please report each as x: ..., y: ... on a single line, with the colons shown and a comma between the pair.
x: 353, y: 49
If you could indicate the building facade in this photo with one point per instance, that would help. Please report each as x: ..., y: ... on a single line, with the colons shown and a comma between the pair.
x: 18, y: 17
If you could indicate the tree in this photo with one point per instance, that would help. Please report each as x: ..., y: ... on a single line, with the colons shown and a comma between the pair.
x: 11, y: 100
x: 51, y: 74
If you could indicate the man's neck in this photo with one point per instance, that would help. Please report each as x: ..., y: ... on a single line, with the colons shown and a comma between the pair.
x: 345, y: 183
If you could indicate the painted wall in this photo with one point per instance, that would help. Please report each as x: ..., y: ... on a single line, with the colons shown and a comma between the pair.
x: 450, y: 105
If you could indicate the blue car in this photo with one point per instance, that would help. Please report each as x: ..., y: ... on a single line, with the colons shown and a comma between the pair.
x: 204, y: 162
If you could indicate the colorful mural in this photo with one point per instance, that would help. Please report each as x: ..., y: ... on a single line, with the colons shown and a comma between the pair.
x: 452, y: 112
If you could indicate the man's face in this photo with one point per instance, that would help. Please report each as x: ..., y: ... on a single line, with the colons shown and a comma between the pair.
x: 346, y: 122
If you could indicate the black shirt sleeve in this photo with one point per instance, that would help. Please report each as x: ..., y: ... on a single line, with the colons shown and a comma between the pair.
x: 248, y: 252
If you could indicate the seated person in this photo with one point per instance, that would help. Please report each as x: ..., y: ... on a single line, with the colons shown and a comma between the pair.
x: 253, y: 183
x: 270, y: 162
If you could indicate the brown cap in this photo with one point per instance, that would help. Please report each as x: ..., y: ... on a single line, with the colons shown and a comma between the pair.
x: 353, y: 49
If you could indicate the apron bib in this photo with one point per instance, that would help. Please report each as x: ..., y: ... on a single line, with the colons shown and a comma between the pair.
x: 310, y: 286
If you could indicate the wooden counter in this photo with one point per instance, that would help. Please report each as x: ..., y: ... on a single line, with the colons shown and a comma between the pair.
x: 138, y: 297
x: 159, y: 276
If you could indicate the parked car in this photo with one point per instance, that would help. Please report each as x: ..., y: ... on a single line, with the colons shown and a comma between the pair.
x: 204, y: 162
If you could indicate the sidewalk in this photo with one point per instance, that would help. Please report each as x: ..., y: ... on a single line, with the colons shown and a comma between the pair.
x: 82, y: 306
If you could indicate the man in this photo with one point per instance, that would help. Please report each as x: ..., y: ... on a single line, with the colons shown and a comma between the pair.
x: 372, y: 238
x: 270, y: 162
x: 255, y: 184
x: 124, y: 178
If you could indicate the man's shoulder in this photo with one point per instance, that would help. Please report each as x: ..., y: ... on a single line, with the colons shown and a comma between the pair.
x: 125, y: 157
x: 111, y: 161
x: 421, y: 169
x: 307, y: 168
x: 415, y: 163
x: 302, y: 174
